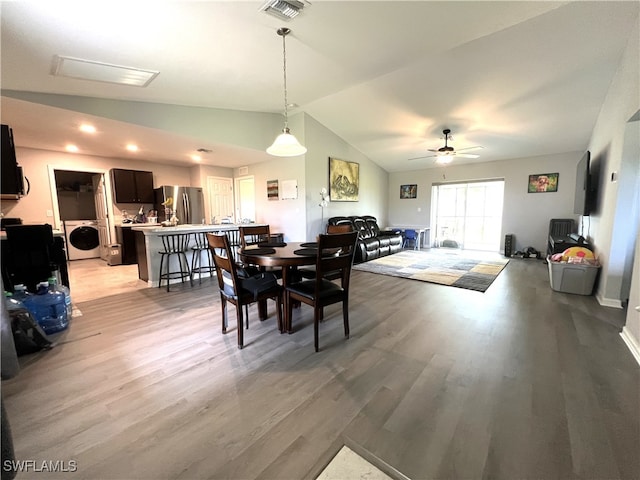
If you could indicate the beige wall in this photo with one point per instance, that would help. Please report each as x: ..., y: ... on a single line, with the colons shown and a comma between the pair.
x: 526, y: 215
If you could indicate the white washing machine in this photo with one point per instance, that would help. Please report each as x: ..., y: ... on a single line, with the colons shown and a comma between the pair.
x: 82, y: 239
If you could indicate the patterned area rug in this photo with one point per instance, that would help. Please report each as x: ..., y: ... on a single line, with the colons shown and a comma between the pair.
x: 456, y: 268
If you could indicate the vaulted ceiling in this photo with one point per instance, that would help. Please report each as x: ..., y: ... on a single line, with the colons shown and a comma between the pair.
x: 519, y: 78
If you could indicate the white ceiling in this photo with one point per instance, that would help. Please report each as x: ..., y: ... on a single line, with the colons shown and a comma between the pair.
x: 519, y: 78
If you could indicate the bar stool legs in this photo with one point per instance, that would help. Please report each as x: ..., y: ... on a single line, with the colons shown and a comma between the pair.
x: 199, y: 248
x: 175, y: 244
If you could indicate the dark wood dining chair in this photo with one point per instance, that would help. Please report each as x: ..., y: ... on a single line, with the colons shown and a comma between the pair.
x: 230, y: 286
x: 335, y: 253
x: 254, y: 235
x: 309, y: 272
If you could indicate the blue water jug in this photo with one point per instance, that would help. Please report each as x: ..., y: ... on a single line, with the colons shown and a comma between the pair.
x: 54, y: 287
x: 49, y: 308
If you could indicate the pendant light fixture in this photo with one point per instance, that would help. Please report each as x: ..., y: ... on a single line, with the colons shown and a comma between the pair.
x: 285, y: 144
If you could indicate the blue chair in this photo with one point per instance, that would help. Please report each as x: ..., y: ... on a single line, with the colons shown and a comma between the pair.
x: 410, y: 238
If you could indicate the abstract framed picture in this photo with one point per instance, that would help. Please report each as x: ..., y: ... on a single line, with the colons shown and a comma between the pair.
x: 409, y: 191
x: 543, y: 183
x: 344, y: 180
x: 272, y: 189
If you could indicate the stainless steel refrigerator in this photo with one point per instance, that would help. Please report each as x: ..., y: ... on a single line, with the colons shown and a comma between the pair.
x: 187, y: 202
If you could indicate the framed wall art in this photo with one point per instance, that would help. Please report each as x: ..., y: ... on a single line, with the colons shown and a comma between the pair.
x: 272, y: 189
x: 543, y: 183
x: 344, y: 180
x: 409, y: 191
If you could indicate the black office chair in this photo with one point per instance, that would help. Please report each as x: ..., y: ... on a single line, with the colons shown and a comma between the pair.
x: 29, y: 256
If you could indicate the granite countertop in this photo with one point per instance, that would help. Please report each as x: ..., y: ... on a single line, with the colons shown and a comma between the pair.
x: 151, y: 229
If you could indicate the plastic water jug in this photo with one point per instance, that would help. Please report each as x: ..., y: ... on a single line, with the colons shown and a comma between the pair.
x: 20, y: 292
x: 49, y: 308
x: 55, y: 287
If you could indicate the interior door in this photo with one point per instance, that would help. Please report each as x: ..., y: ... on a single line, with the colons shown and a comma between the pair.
x: 246, y: 198
x: 101, y: 215
x: 220, y: 198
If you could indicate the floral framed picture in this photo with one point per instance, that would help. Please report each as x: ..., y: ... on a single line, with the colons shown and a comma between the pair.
x: 344, y: 180
x: 543, y: 183
x: 409, y: 191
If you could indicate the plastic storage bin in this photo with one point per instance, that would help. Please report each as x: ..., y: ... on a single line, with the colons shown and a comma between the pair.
x: 577, y: 278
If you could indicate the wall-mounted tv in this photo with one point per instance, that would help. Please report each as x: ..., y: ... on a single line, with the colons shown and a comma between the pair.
x: 584, y: 189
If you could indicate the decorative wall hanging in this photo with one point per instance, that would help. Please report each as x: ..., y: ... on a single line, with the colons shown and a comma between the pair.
x: 408, y: 191
x: 344, y: 180
x: 289, y: 189
x: 272, y: 189
x: 543, y: 182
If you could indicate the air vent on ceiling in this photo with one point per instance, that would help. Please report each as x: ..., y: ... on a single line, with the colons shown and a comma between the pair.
x: 283, y: 9
x: 101, y: 72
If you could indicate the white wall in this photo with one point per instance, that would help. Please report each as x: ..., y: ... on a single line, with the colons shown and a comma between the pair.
x: 526, y: 215
x: 607, y: 152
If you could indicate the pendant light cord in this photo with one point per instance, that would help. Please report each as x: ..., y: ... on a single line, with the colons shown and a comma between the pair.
x: 284, y: 32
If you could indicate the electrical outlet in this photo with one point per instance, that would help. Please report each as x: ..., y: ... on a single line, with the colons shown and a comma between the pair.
x: 49, y: 213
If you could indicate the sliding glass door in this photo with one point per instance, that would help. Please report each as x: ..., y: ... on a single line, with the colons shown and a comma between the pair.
x: 468, y: 215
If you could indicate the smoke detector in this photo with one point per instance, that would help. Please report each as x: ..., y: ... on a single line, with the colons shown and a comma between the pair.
x: 283, y: 9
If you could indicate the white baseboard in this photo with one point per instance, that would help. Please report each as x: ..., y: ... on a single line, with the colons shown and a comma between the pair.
x: 632, y: 343
x: 609, y: 302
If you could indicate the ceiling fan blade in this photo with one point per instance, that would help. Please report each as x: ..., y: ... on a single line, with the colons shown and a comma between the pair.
x: 432, y: 150
x: 420, y: 158
x: 466, y: 155
x: 478, y: 147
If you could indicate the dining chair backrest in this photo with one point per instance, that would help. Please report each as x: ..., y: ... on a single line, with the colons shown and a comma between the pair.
x: 335, y: 256
x: 343, y: 228
x: 253, y: 234
x: 226, y: 272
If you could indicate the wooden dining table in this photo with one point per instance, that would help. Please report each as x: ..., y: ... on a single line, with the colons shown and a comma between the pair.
x: 287, y: 256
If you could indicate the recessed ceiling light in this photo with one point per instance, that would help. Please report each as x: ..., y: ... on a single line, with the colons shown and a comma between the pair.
x: 132, y: 148
x: 86, y: 128
x: 101, y: 72
x: 196, y: 158
x: 71, y: 148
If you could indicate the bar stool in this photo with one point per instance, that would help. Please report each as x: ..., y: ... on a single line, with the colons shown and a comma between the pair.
x: 200, y: 247
x: 175, y: 244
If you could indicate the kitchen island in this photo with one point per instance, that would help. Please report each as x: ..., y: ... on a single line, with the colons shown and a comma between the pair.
x: 149, y: 244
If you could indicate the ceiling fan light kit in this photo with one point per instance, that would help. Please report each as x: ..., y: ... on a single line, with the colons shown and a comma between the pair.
x: 444, y: 155
x: 285, y: 144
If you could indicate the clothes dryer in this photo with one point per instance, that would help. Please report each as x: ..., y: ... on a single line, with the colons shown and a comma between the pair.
x: 82, y: 239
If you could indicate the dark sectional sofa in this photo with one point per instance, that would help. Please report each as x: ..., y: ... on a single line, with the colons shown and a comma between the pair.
x: 372, y: 242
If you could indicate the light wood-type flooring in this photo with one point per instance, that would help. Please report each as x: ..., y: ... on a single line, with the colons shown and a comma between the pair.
x: 520, y: 382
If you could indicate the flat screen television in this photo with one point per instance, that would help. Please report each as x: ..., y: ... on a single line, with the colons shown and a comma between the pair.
x: 583, y: 196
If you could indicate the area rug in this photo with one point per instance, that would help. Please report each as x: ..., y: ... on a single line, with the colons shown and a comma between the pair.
x: 456, y: 268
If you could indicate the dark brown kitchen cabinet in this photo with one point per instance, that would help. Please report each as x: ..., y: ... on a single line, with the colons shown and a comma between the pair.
x: 132, y: 186
x: 126, y: 238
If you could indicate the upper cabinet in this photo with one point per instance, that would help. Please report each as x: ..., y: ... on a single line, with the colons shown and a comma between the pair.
x: 132, y: 186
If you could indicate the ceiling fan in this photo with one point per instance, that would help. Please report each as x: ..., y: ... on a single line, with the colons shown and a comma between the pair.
x: 445, y: 154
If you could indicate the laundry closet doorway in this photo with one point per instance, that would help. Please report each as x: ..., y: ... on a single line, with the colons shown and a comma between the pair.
x: 468, y: 214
